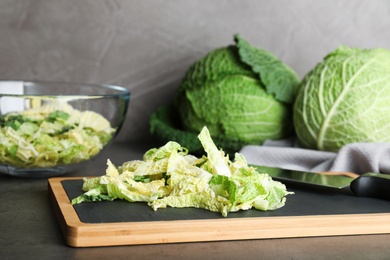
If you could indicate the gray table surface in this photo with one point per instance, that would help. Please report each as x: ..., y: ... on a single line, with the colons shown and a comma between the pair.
x: 29, y: 229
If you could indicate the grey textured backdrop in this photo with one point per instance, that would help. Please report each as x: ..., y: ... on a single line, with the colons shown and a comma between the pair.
x: 146, y: 46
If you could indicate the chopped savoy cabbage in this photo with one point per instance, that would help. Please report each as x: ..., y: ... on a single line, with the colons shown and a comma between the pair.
x: 170, y: 177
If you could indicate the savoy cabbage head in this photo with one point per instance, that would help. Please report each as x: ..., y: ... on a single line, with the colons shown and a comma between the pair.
x: 345, y: 99
x: 239, y: 92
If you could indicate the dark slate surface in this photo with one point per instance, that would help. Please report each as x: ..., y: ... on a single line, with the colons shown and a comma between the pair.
x: 305, y: 201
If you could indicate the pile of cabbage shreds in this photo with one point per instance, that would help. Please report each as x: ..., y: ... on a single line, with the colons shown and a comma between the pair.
x: 169, y: 176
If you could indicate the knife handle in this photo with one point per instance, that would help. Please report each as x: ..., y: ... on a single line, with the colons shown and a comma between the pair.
x: 376, y: 185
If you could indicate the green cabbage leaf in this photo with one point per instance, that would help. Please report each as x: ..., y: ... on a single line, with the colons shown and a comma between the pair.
x: 278, y: 79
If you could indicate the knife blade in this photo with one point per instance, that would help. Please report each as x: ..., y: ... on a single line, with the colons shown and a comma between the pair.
x: 376, y: 185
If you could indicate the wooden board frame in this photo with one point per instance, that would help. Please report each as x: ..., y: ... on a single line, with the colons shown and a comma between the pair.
x: 79, y: 234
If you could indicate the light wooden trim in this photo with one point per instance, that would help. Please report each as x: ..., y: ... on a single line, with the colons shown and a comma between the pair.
x: 79, y: 234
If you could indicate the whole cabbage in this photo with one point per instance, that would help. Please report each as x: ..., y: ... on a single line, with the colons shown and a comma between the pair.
x: 239, y: 92
x: 345, y: 99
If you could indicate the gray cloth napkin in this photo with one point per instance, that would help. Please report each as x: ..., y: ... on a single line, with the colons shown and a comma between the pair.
x: 355, y: 157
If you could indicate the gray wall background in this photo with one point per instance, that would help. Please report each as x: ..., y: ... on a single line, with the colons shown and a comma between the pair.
x: 147, y: 45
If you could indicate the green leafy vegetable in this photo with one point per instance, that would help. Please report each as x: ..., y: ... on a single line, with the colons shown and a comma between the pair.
x: 14, y: 121
x: 170, y: 177
x: 345, y: 99
x: 50, y: 135
x: 241, y: 93
x: 58, y: 116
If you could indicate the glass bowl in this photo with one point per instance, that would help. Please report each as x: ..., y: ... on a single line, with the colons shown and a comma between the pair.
x: 49, y: 129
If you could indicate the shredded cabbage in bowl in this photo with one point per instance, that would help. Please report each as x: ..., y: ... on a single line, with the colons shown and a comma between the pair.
x: 52, y: 134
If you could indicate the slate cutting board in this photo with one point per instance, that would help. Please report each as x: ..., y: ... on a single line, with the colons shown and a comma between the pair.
x: 309, y: 212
